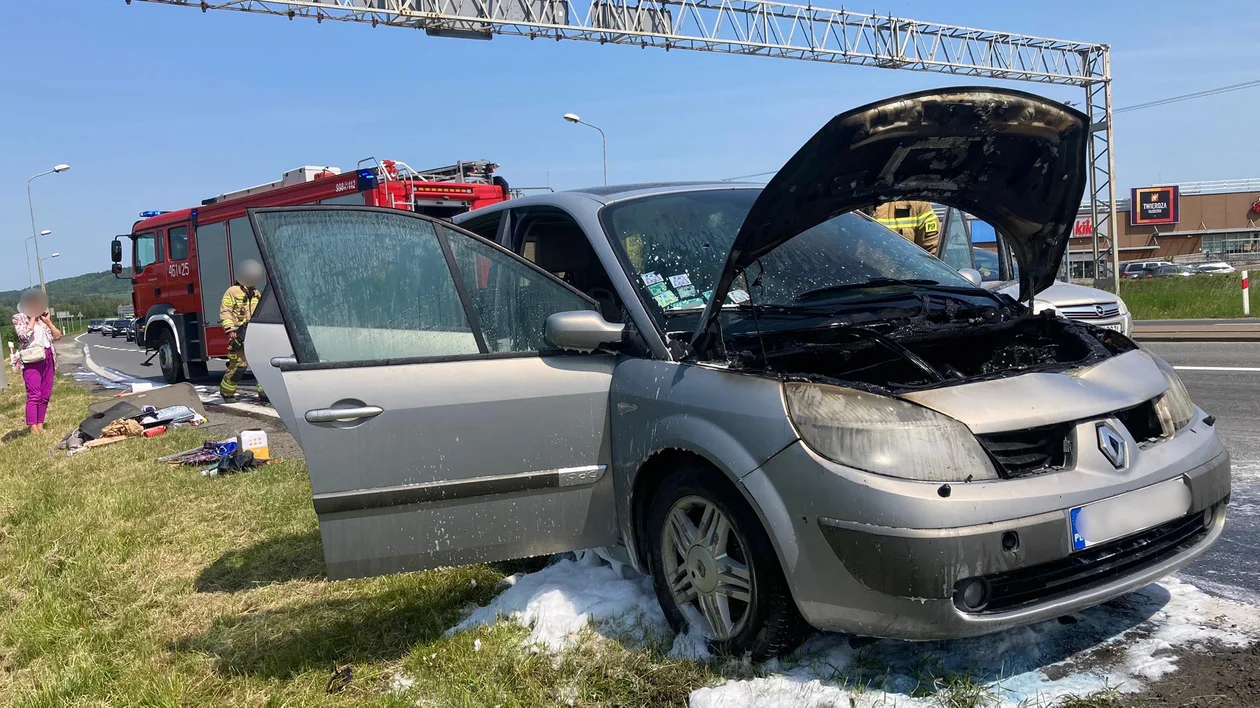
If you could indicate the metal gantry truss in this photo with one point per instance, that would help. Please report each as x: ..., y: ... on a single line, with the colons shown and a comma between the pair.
x: 761, y: 28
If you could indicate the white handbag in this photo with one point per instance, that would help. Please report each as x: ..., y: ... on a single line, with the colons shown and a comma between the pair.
x: 32, y: 355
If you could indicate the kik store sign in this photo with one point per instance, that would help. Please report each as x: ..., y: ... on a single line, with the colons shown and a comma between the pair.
x: 1154, y: 205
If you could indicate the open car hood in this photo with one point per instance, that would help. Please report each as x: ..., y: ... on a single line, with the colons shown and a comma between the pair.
x: 1016, y: 160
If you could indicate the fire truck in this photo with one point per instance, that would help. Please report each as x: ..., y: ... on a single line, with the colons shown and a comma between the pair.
x: 183, y: 261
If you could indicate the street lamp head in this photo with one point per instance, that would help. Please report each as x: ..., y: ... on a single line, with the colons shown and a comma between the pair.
x: 61, y: 168
x: 45, y: 232
x: 53, y: 256
x: 572, y: 118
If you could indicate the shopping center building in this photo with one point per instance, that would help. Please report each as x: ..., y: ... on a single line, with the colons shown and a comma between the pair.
x: 1193, y: 222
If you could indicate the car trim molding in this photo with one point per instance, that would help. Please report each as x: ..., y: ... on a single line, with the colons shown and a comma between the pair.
x: 448, y: 490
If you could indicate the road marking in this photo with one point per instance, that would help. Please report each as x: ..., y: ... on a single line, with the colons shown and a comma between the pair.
x: 1251, y: 369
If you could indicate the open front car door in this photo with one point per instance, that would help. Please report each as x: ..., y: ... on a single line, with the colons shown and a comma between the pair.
x: 440, y: 427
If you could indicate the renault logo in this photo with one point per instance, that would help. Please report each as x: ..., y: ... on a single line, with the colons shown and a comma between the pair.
x: 1113, y: 447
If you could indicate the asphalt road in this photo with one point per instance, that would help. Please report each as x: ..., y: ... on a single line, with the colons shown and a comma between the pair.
x: 1222, y: 377
x: 126, y: 358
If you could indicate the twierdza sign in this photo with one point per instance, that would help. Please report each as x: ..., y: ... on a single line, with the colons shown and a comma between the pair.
x: 1154, y: 205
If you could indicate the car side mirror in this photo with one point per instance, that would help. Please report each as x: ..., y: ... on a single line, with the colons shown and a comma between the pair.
x: 582, y: 330
x: 972, y: 275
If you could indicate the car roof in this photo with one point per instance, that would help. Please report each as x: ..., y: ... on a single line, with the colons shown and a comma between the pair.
x: 595, y: 197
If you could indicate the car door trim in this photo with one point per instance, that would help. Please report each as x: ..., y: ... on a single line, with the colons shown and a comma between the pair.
x: 429, y: 492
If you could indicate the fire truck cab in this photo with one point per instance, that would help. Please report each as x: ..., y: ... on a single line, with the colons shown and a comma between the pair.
x: 183, y: 261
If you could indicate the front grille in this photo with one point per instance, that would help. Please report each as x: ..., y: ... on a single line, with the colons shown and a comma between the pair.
x: 1091, y: 567
x: 1101, y: 311
x: 1021, y: 453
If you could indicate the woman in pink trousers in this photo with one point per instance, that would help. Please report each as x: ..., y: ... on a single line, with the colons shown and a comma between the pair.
x: 35, y: 331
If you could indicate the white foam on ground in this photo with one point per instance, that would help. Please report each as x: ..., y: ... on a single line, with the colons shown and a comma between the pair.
x: 1120, y: 645
x: 561, y: 600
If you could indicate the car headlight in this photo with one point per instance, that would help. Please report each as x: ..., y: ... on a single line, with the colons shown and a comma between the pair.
x: 885, y: 435
x: 1174, y: 408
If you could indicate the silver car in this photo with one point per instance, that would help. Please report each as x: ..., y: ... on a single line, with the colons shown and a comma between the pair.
x: 783, y: 412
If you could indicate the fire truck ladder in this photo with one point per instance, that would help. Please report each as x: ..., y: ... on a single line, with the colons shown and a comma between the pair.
x: 761, y: 28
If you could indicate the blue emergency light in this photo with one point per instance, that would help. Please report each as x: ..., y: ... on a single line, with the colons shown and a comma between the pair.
x: 152, y: 213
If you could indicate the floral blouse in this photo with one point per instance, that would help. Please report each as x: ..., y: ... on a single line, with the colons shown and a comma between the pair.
x: 30, y: 333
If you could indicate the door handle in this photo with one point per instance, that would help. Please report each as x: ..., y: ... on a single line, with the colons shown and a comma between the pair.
x: 332, y: 415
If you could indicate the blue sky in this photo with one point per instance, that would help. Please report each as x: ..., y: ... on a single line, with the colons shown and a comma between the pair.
x: 158, y: 107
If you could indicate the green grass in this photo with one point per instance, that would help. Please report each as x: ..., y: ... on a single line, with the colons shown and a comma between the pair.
x: 124, y: 582
x: 1196, y: 297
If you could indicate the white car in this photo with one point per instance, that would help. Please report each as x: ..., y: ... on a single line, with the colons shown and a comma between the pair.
x: 1217, y: 267
x: 998, y: 272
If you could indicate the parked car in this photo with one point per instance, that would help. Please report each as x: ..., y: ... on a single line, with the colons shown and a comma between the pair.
x: 1170, y: 270
x: 783, y: 412
x: 1219, y: 267
x: 1135, y: 269
x: 1078, y: 302
x: 95, y: 325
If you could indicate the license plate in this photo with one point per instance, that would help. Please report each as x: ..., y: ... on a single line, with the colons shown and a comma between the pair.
x: 1128, y: 513
x: 1113, y: 327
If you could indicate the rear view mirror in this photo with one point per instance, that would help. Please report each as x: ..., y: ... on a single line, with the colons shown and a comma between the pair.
x: 116, y: 269
x: 972, y: 275
x: 582, y: 330
x: 115, y: 253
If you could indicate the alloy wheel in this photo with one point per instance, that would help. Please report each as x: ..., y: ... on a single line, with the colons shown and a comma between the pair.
x: 706, y: 567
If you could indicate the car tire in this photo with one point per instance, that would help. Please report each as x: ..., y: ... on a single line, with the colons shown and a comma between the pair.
x: 741, y: 598
x: 168, y: 357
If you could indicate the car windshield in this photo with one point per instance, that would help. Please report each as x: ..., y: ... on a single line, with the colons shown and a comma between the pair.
x: 676, y: 244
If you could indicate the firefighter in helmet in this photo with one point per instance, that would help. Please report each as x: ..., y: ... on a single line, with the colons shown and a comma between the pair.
x: 915, y: 221
x: 235, y: 312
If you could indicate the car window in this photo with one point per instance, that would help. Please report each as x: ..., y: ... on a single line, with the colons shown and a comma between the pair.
x: 365, y: 286
x: 512, y: 300
x: 178, y: 238
x: 145, y: 251
x: 486, y: 226
x: 676, y: 244
x: 955, y: 242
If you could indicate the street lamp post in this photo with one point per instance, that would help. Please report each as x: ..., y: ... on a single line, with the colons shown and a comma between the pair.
x: 573, y: 118
x: 26, y: 246
x: 30, y: 203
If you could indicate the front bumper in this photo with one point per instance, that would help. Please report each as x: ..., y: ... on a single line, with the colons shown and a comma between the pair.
x: 876, y: 556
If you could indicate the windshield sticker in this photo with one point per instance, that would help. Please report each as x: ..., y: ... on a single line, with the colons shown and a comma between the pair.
x: 738, y: 296
x: 666, y: 299
x: 694, y: 302
x: 679, y: 280
x: 652, y: 278
x: 658, y: 289
x: 687, y: 291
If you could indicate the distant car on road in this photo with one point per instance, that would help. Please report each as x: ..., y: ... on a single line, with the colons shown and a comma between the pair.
x: 133, y: 327
x: 117, y: 328
x: 1219, y: 267
x: 95, y: 325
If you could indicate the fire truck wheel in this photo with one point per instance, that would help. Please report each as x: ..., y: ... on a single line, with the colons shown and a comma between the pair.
x: 168, y: 358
